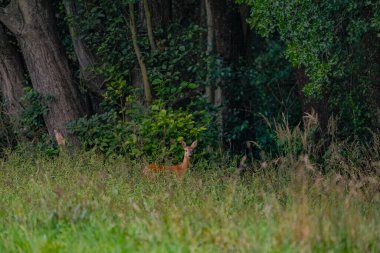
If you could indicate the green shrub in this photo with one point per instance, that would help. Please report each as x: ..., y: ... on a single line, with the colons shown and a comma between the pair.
x: 7, y: 135
x: 180, y: 67
x: 155, y: 131
x: 34, y: 108
x: 332, y: 42
x: 32, y: 136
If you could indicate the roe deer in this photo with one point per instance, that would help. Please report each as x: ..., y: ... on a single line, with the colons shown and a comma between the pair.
x: 179, y: 169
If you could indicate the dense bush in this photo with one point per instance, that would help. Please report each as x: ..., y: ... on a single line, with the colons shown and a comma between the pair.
x: 262, y: 88
x: 7, y: 135
x: 32, y: 114
x: 154, y: 132
x: 337, y: 44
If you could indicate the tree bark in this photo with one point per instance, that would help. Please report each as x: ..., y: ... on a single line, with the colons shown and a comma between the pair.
x: 144, y: 72
x: 228, y: 44
x: 137, y: 82
x: 86, y: 58
x: 33, y: 23
x: 11, y: 76
x: 244, y: 11
x: 209, y: 49
x: 149, y: 25
x: 228, y: 30
x: 162, y: 13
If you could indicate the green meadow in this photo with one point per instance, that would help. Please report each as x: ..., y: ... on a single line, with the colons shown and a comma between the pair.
x: 82, y: 203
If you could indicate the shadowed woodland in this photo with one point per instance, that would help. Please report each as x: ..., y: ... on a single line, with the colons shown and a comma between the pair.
x: 281, y: 99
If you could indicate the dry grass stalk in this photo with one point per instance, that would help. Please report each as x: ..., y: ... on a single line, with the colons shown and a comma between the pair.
x: 61, y: 141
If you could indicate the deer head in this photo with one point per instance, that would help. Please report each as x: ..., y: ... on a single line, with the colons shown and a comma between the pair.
x: 189, y: 149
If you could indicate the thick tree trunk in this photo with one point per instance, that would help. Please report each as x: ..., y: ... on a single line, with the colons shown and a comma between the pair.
x: 33, y: 23
x: 228, y: 29
x: 11, y: 76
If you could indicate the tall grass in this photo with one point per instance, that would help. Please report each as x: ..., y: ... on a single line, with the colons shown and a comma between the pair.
x: 81, y: 203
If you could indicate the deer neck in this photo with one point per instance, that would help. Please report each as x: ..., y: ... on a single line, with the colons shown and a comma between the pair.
x: 186, y: 162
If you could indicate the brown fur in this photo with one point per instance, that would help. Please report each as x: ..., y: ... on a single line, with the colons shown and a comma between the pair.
x: 179, y: 169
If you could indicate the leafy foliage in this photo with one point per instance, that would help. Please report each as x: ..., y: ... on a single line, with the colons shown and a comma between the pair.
x: 32, y: 136
x: 330, y: 41
x: 150, y: 132
x: 175, y: 71
x: 337, y: 44
x: 179, y: 67
x: 262, y: 88
x: 34, y: 108
x: 7, y: 134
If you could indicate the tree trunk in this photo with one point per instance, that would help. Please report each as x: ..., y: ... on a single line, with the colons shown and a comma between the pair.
x: 209, y: 49
x: 228, y: 44
x: 33, y: 23
x: 86, y: 59
x: 228, y: 29
x: 162, y: 13
x: 11, y: 76
x: 137, y: 82
x: 244, y: 11
x: 149, y: 25
x: 144, y: 72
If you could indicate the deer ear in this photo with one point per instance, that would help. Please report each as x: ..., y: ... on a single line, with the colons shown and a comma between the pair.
x: 194, y: 144
x: 183, y: 144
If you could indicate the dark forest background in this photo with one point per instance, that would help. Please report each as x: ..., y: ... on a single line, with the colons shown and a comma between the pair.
x: 137, y: 77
